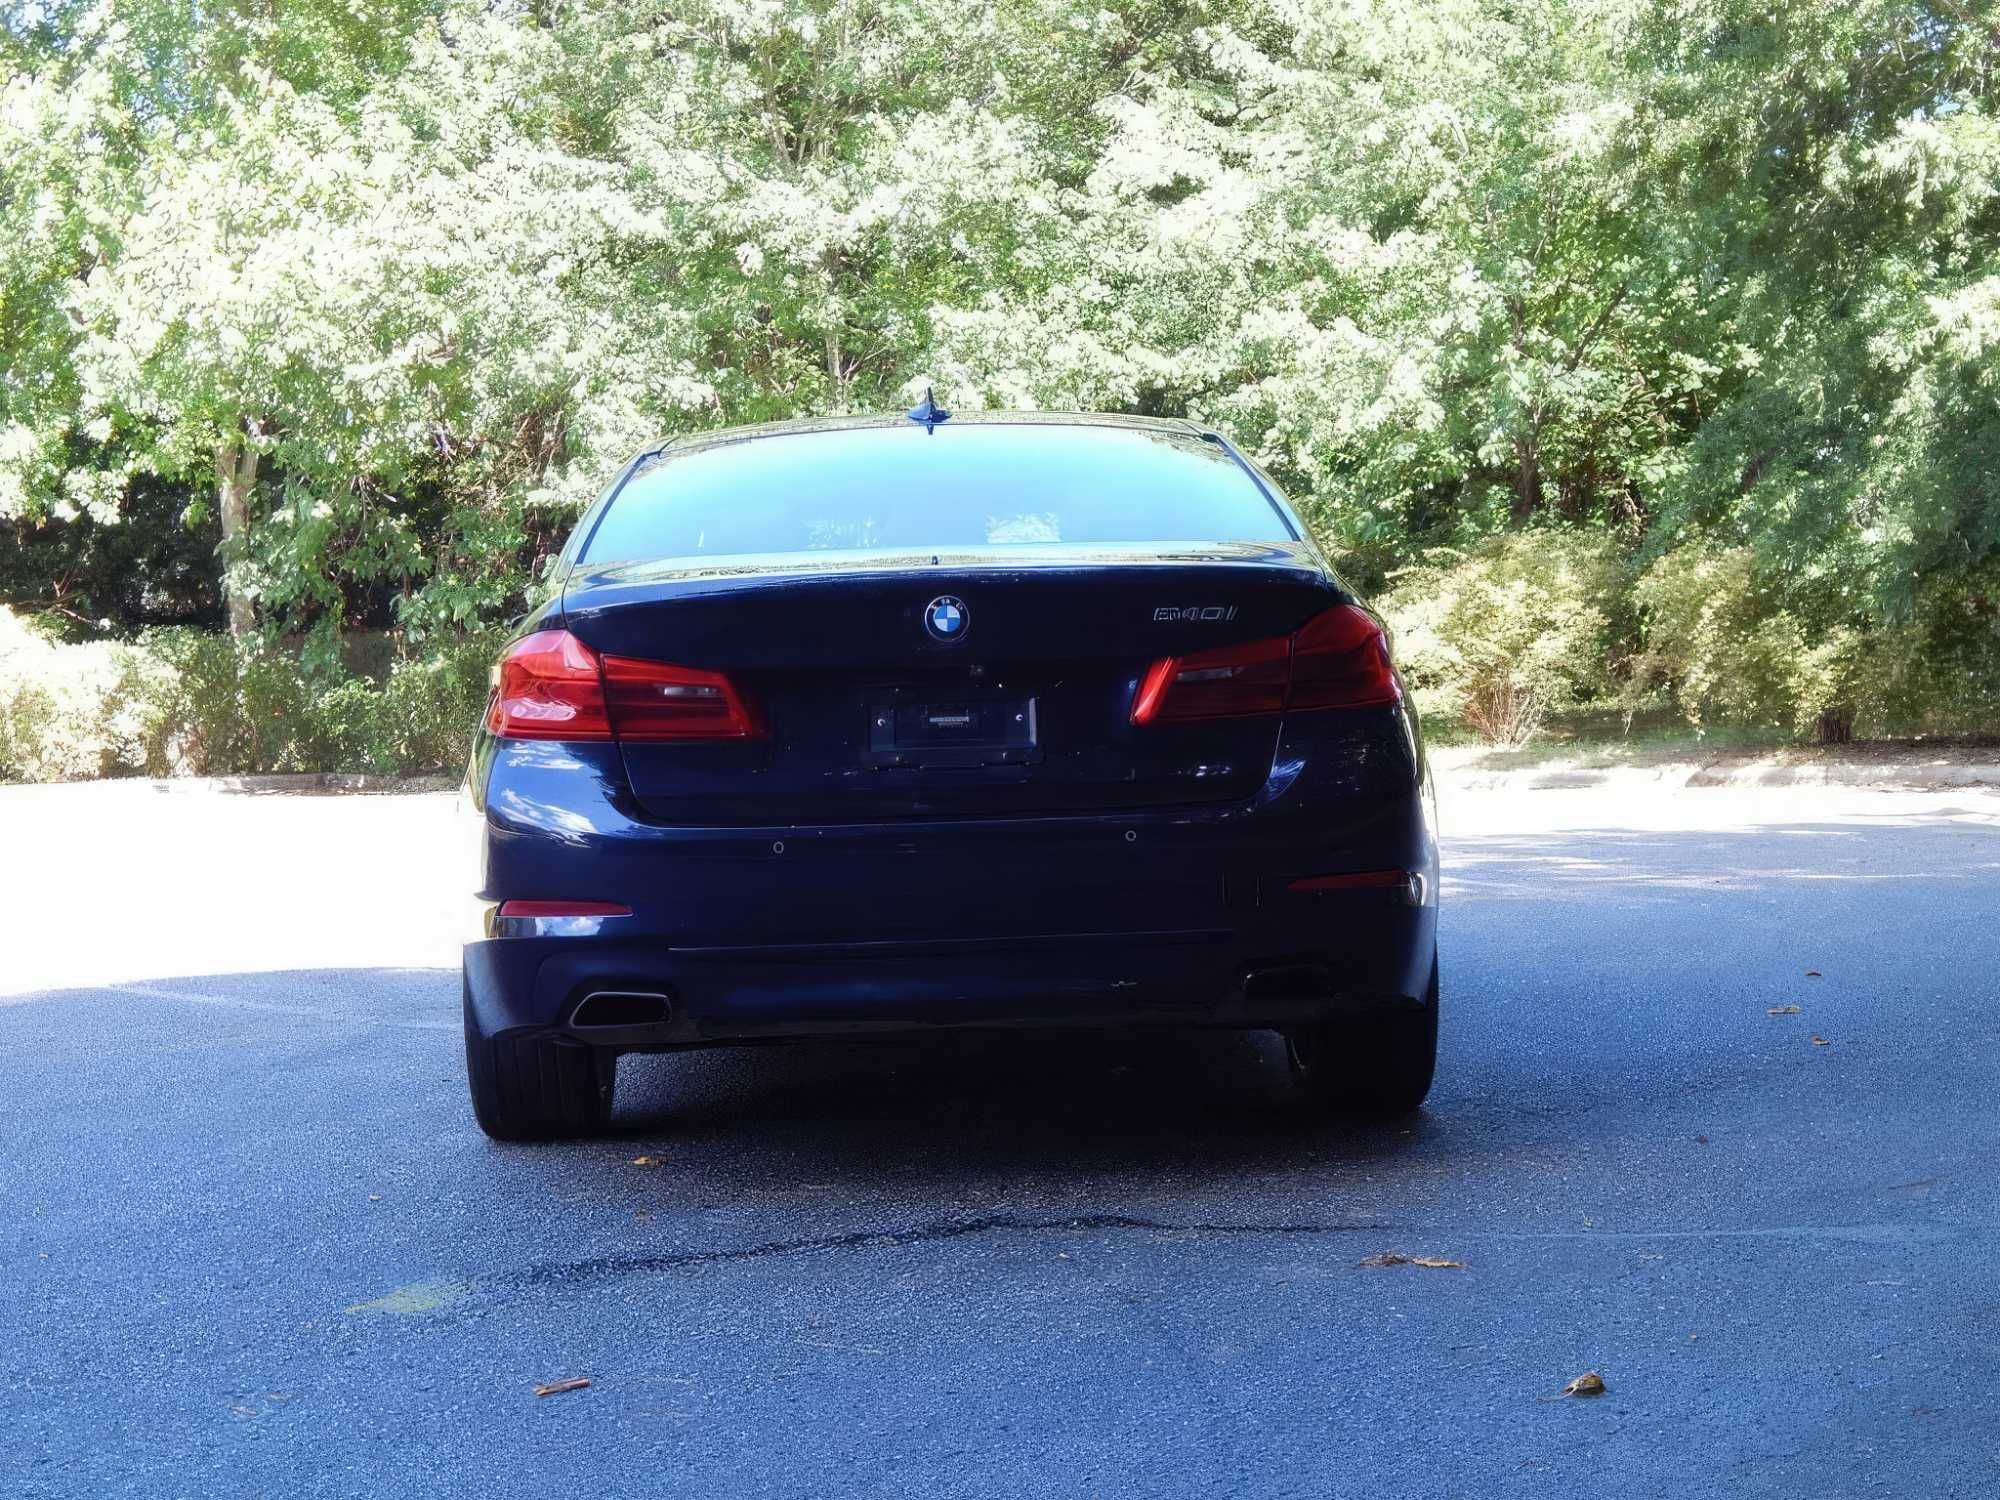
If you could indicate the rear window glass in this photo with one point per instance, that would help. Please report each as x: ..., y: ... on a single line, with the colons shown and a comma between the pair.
x: 1005, y: 484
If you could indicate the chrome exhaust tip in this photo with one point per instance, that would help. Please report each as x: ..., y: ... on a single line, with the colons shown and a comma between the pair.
x: 602, y: 1010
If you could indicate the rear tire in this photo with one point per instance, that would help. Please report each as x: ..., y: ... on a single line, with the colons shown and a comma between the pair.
x: 1376, y: 1066
x: 527, y: 1086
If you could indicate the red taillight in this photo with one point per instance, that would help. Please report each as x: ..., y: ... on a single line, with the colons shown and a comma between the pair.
x: 1215, y: 684
x: 1338, y: 659
x: 551, y: 686
x: 655, y: 700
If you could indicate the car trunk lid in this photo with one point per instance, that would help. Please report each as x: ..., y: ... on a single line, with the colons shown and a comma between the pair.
x: 990, y: 681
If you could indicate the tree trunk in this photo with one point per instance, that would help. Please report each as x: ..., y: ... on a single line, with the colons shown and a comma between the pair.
x: 835, y: 374
x: 1527, y: 484
x: 1527, y: 477
x: 235, y: 475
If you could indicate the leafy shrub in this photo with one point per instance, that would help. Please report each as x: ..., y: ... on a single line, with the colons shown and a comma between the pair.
x: 1706, y: 643
x: 1727, y: 654
x: 61, y: 718
x: 419, y: 719
x: 213, y: 706
x: 430, y: 705
x: 1508, y: 633
x: 1938, y: 671
x: 182, y: 702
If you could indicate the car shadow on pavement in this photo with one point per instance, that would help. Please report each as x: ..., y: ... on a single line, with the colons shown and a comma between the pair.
x: 366, y: 1053
x: 1064, y: 1102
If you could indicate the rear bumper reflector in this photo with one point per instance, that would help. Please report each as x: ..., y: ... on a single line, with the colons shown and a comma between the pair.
x: 1413, y: 887
x: 1352, y: 881
x: 553, y: 918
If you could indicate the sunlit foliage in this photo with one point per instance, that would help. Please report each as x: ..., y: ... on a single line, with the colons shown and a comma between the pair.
x: 388, y: 287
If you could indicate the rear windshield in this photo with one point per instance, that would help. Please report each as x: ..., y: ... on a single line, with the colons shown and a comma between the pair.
x: 902, y: 487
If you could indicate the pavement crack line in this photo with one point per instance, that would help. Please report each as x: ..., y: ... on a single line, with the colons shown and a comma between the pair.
x: 602, y: 1268
x: 612, y: 1267
x: 954, y: 1229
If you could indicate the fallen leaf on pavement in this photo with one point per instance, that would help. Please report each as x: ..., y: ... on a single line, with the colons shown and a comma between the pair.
x: 649, y: 1161
x: 1782, y: 1010
x: 1820, y: 1041
x: 1391, y: 1258
x: 1589, y: 1383
x: 557, y: 1387
x: 417, y: 1299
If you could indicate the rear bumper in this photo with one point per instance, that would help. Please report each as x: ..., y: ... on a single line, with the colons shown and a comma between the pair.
x: 1172, y: 916
x: 1371, y: 953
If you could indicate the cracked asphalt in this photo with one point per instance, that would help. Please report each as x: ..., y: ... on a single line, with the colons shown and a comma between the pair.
x: 254, y: 1246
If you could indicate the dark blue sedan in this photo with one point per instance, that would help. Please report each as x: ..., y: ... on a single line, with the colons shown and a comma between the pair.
x: 879, y: 725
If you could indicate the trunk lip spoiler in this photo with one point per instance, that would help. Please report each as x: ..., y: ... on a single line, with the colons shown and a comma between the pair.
x: 749, y: 569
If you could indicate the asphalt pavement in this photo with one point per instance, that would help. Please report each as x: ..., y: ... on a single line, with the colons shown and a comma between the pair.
x: 254, y: 1246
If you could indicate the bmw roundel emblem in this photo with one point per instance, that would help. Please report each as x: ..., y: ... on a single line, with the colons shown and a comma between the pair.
x: 946, y: 618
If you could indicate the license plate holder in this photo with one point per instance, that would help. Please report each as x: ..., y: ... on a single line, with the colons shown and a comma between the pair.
x: 955, y: 731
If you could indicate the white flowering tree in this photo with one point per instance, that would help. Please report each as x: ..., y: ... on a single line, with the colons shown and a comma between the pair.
x: 53, y: 176
x: 325, y: 309
x: 828, y: 176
